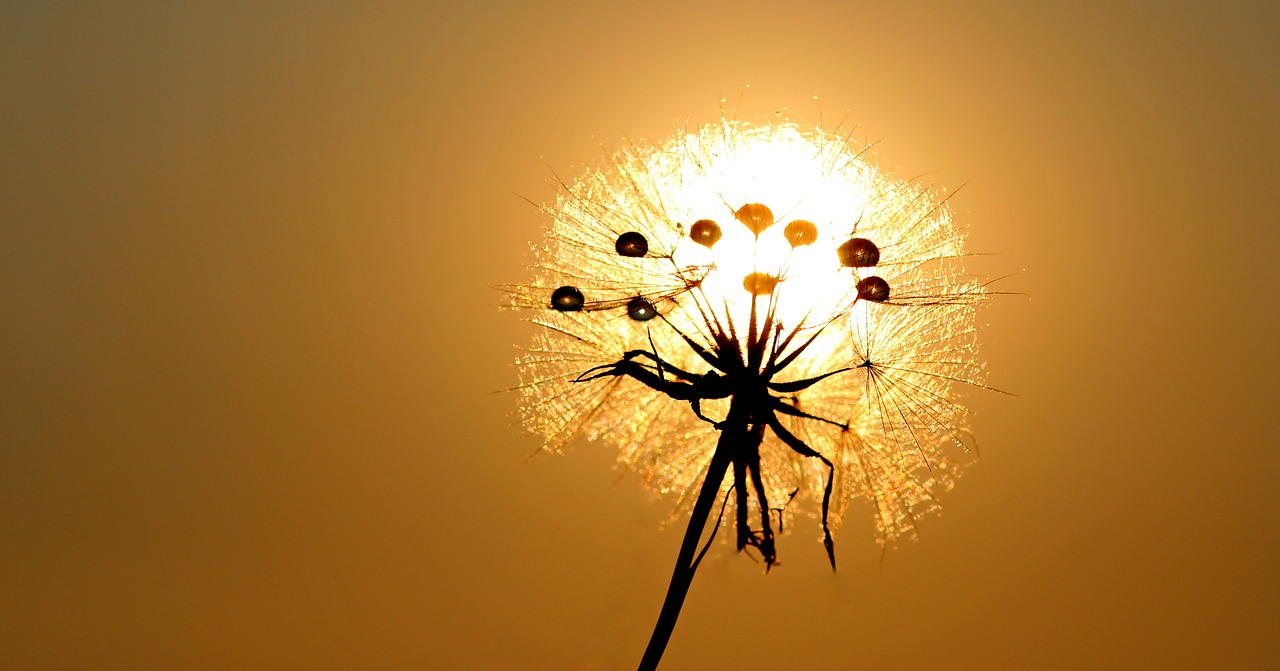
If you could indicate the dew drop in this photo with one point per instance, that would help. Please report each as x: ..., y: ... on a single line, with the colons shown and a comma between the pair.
x: 873, y: 289
x: 631, y: 244
x: 800, y: 233
x: 755, y: 216
x: 759, y: 284
x: 567, y: 299
x: 641, y: 310
x: 859, y: 253
x: 705, y: 232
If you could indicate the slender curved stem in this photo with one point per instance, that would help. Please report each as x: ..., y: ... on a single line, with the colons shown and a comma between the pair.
x: 730, y: 440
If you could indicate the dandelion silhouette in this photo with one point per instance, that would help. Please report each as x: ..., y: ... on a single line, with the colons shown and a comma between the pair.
x: 754, y: 316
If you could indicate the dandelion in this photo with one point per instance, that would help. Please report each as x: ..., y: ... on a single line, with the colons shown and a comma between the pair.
x: 760, y: 321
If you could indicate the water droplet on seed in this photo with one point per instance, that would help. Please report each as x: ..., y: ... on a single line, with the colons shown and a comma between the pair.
x: 859, y: 253
x: 800, y: 233
x: 759, y: 284
x: 873, y: 289
x: 567, y: 299
x: 705, y: 232
x: 641, y: 310
x: 631, y: 244
x: 755, y: 216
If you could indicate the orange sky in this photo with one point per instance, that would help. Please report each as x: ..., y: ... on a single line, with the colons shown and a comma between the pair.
x: 248, y: 337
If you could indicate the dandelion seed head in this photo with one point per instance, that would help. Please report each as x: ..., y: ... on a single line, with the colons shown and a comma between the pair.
x: 676, y: 239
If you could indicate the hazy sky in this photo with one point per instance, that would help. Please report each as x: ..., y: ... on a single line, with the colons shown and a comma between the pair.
x: 248, y: 337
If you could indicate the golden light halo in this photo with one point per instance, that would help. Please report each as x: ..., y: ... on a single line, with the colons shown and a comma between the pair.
x: 899, y: 411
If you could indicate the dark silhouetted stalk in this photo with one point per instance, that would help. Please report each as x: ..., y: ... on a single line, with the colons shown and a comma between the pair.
x: 733, y: 436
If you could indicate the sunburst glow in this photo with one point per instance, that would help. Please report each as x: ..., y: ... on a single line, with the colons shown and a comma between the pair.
x: 778, y: 237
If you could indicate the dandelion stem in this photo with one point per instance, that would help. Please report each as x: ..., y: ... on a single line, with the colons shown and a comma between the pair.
x: 732, y: 436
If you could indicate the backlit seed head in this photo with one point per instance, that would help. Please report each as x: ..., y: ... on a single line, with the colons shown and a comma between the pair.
x: 897, y: 441
x: 755, y: 217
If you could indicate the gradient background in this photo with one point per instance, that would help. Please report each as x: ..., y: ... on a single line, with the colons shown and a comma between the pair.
x: 248, y: 337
